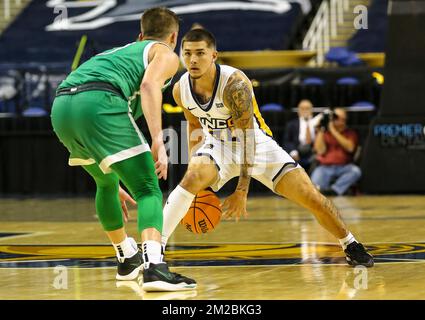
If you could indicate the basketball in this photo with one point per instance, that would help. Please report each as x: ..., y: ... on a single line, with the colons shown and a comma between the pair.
x: 204, y: 213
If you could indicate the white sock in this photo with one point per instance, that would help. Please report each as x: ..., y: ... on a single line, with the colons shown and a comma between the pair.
x: 151, y: 252
x: 125, y: 249
x: 347, y: 240
x: 176, y: 207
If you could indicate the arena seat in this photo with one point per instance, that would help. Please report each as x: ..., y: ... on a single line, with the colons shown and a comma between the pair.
x: 313, y: 81
x: 364, y: 105
x: 272, y: 107
x: 347, y: 90
x: 351, y: 60
x: 337, y: 54
x: 35, y: 112
x: 347, y: 81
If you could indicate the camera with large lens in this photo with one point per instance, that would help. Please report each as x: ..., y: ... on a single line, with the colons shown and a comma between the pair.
x: 327, y: 115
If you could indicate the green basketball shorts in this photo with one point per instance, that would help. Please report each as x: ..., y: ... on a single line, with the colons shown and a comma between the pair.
x: 97, y: 127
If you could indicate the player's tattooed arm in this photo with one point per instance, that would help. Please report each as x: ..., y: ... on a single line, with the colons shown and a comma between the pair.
x: 238, y: 98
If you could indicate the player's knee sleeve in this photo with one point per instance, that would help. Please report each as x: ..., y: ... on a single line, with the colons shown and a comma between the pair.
x: 150, y: 213
x: 138, y: 174
x: 108, y: 206
x: 149, y: 203
x: 148, y: 196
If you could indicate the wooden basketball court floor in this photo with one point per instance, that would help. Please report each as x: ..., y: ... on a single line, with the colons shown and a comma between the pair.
x: 55, y: 249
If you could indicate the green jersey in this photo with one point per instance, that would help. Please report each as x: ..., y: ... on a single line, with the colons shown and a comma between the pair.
x: 123, y: 67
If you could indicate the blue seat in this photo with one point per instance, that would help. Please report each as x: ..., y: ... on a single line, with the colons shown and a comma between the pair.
x: 337, y: 54
x: 351, y: 60
x: 343, y: 57
x: 272, y: 107
x: 347, y: 81
x: 34, y: 112
x: 311, y: 81
x: 364, y: 105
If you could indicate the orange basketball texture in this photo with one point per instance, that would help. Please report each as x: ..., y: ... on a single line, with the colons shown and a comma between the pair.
x: 204, y: 213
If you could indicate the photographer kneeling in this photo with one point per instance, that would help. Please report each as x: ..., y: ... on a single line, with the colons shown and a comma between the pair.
x: 335, y: 145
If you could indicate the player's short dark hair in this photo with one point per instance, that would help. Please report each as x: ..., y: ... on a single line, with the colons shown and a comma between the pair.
x: 196, y: 35
x: 159, y: 22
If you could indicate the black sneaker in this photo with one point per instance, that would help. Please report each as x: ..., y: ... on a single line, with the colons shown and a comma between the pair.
x: 158, y: 278
x: 128, y: 268
x: 356, y: 255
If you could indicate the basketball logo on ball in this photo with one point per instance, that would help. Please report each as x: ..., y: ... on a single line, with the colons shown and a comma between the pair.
x: 204, y: 213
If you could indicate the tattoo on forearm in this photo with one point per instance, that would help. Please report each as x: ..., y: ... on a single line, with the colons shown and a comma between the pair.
x: 238, y: 98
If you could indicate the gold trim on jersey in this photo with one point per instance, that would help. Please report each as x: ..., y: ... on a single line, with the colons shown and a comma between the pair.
x: 261, y: 123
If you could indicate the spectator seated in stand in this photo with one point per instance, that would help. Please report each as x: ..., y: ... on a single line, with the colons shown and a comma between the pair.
x: 335, y: 145
x: 299, y: 135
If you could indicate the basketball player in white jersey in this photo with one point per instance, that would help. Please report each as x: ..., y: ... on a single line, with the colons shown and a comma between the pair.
x: 220, y: 100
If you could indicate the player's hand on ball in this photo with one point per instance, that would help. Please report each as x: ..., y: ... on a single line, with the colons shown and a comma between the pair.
x: 124, y: 196
x: 235, y: 205
x: 161, y: 159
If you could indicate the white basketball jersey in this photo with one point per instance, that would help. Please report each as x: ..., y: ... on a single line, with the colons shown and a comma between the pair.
x: 215, y: 117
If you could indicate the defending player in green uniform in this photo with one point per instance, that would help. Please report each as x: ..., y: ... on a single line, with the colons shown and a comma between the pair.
x: 94, y: 115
